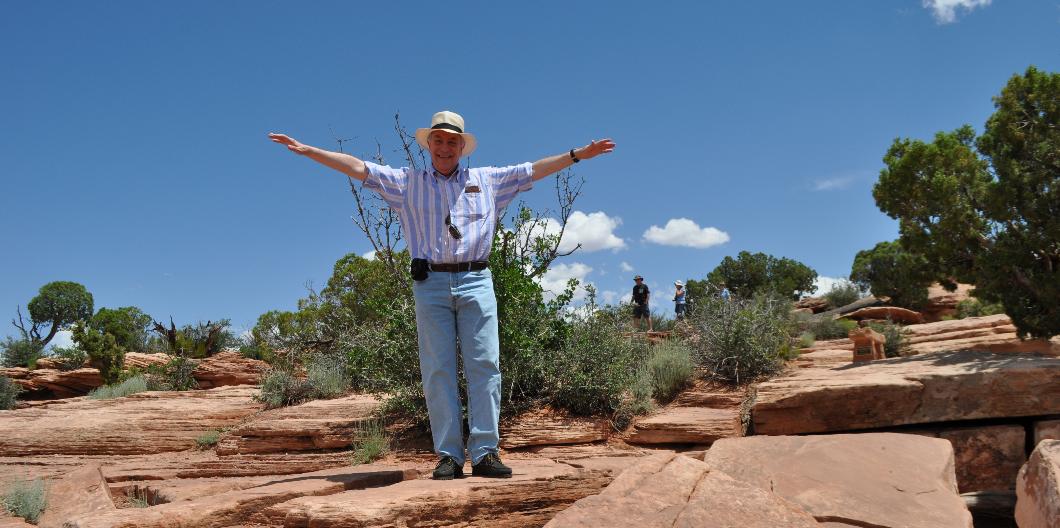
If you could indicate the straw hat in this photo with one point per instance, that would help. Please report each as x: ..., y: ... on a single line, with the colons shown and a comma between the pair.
x: 678, y: 283
x: 448, y: 122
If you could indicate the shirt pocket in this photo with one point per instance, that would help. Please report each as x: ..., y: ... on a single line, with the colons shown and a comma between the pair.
x: 472, y: 207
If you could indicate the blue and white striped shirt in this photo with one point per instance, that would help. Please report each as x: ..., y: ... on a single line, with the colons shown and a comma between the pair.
x: 471, y: 197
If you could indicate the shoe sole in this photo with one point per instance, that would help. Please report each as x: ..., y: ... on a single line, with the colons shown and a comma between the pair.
x: 491, y: 476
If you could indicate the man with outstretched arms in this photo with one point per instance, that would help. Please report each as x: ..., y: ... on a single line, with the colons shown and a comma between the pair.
x: 449, y: 214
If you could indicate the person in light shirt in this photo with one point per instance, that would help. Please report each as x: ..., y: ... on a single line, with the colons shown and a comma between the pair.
x: 449, y: 214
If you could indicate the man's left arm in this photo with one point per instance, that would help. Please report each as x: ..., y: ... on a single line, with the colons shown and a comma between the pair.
x: 552, y: 164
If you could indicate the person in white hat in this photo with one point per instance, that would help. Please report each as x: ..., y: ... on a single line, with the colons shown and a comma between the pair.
x: 679, y: 300
x: 449, y: 214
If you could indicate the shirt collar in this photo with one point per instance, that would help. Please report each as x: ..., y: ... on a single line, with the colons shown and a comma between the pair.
x: 456, y: 173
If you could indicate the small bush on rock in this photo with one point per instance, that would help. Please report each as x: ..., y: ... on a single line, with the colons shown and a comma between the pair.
x: 177, y: 375
x: 133, y: 385
x: 741, y: 339
x: 828, y: 328
x: 26, y: 499
x: 896, y: 345
x: 672, y: 369
x: 977, y: 308
x: 69, y: 358
x: 20, y: 352
x: 370, y: 442
x: 103, y: 349
x: 280, y: 387
x: 208, y: 439
x: 9, y: 391
x: 842, y: 294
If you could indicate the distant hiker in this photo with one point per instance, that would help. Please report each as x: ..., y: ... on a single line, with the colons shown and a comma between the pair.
x: 641, y: 296
x: 679, y: 300
x: 724, y: 294
x: 449, y: 214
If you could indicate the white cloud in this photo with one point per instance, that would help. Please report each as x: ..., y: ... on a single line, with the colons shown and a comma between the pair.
x: 554, y: 281
x: 369, y: 255
x: 609, y: 296
x: 63, y: 338
x: 945, y: 11
x: 624, y: 266
x: 825, y: 284
x: 832, y: 184
x: 594, y: 231
x: 685, y: 232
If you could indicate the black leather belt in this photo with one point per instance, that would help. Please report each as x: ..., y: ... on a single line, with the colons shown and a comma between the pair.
x: 460, y: 266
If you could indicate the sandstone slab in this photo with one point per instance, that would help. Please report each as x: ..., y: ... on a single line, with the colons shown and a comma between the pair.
x: 926, y: 388
x: 987, y: 457
x: 551, y: 427
x: 1038, y: 488
x: 314, y: 425
x: 535, y: 493
x: 687, y: 425
x: 873, y: 479
x: 238, y: 505
x: 993, y: 333
x: 148, y: 422
x: 80, y: 492
x: 892, y: 313
x: 228, y: 368
x: 669, y: 490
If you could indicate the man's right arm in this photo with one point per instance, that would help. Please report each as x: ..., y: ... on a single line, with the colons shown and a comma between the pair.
x: 344, y: 163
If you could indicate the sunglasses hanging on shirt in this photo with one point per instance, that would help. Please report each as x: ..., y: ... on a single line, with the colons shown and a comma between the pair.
x: 453, y: 231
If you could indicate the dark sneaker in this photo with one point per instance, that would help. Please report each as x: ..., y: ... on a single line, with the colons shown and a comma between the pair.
x: 447, y: 469
x: 491, y: 466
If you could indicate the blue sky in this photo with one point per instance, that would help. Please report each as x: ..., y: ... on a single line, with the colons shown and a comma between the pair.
x: 134, y: 160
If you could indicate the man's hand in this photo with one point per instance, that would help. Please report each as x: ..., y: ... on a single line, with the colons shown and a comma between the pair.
x: 292, y: 144
x: 595, y: 148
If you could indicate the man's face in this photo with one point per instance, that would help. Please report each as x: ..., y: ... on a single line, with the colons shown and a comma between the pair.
x: 445, y: 148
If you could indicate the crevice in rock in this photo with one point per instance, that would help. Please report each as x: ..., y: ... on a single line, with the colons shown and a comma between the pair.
x: 847, y: 520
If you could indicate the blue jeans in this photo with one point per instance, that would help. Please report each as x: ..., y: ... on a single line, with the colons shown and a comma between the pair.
x: 450, y: 306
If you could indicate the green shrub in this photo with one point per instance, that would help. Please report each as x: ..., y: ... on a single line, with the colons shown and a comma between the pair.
x: 280, y: 387
x: 827, y: 328
x: 137, y: 499
x: 128, y: 325
x: 103, y: 350
x: 133, y: 385
x: 26, y: 499
x: 326, y: 376
x: 9, y: 391
x: 20, y: 352
x: 842, y: 294
x: 69, y: 358
x: 806, y: 339
x: 208, y: 439
x: 896, y: 345
x: 977, y: 308
x: 176, y: 375
x: 370, y: 442
x: 672, y: 369
x: 741, y: 339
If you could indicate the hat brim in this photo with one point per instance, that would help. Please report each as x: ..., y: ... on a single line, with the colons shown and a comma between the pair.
x: 469, y: 139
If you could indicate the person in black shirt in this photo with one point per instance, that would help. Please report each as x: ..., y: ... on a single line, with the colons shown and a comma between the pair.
x: 641, y: 296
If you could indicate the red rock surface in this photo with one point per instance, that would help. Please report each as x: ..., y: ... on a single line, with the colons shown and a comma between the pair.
x: 873, y: 479
x: 994, y: 333
x: 987, y: 457
x: 892, y: 313
x: 1038, y: 488
x: 81, y: 491
x: 148, y: 422
x: 925, y: 388
x: 700, y: 415
x: 315, y: 425
x: 551, y: 427
x: 668, y: 490
x: 942, y: 303
x: 1046, y: 430
x: 228, y: 368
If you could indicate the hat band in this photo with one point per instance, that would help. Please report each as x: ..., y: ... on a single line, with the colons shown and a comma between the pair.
x: 447, y: 126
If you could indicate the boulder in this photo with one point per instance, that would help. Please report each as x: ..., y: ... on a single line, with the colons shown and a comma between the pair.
x: 889, y: 313
x: 927, y: 388
x: 942, y: 303
x: 812, y: 304
x: 550, y: 427
x: 52, y: 383
x: 314, y: 425
x: 987, y: 457
x: 82, y: 492
x: 873, y: 479
x: 142, y: 360
x: 669, y: 490
x: 148, y: 422
x: 1038, y: 488
x: 228, y: 368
